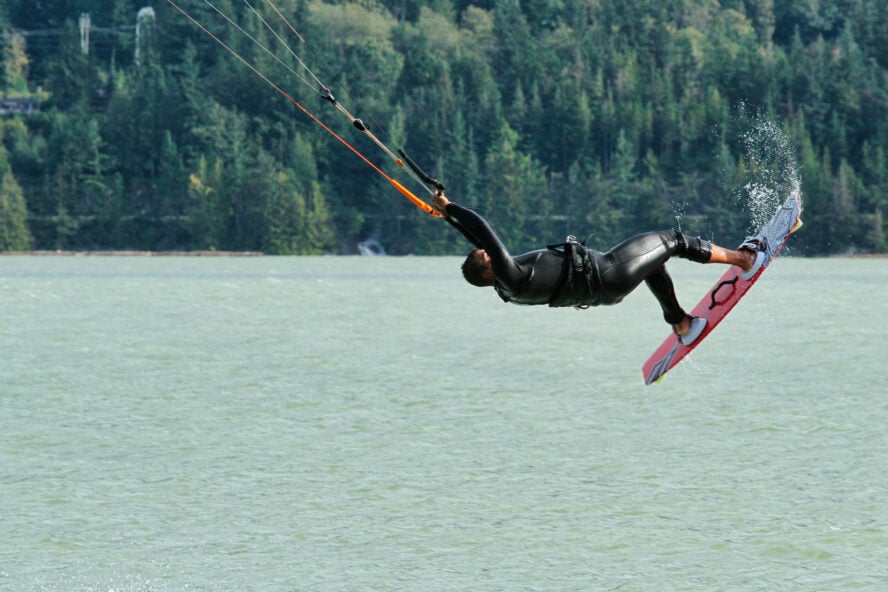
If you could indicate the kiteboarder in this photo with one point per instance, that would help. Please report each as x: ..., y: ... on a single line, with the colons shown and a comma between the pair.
x: 569, y: 274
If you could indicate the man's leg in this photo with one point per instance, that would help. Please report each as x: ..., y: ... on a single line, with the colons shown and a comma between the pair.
x: 660, y: 284
x: 744, y: 258
x: 643, y: 258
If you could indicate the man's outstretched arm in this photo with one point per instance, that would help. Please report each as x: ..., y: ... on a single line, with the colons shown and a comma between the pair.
x: 479, y: 233
x: 439, y: 204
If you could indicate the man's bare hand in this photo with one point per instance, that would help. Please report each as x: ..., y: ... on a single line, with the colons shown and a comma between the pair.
x: 439, y: 203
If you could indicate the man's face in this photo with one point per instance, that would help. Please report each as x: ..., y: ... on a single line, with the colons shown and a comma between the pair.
x: 488, y: 267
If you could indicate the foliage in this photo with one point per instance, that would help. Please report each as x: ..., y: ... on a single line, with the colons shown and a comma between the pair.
x: 14, y: 235
x: 598, y: 117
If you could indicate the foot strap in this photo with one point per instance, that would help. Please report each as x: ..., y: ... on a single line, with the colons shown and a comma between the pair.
x: 694, y: 331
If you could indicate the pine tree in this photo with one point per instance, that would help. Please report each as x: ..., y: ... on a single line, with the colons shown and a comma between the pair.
x: 515, y: 190
x: 206, y: 213
x: 13, y: 81
x: 14, y: 234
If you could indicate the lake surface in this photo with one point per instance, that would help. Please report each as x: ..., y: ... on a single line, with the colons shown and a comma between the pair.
x: 376, y: 424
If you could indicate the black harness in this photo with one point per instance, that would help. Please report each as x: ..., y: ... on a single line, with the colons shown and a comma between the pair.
x: 581, y: 286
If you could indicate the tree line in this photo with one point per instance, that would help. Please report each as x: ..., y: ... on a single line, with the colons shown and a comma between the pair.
x: 549, y: 116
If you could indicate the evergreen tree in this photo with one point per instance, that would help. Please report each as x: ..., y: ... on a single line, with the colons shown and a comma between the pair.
x: 206, y: 212
x: 15, y: 61
x: 843, y: 219
x: 305, y: 226
x: 14, y: 234
x: 514, y: 61
x: 515, y: 190
x: 72, y: 80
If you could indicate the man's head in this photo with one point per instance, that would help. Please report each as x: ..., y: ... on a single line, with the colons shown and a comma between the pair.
x: 477, y: 269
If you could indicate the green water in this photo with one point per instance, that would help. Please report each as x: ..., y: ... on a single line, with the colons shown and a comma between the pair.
x: 375, y: 424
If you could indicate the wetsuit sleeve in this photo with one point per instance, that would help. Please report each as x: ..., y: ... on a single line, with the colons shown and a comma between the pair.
x: 479, y: 233
x: 462, y: 229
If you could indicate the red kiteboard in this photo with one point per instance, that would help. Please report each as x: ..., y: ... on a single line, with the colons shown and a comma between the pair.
x: 727, y: 291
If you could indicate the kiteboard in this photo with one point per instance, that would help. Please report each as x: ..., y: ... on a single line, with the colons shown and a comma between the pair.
x: 728, y: 290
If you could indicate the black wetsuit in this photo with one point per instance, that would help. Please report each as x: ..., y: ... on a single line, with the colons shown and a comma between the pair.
x: 571, y: 275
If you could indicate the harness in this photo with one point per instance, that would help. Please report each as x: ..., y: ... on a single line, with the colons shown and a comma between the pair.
x: 581, y: 286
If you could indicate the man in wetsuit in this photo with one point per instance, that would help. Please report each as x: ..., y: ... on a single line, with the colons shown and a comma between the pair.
x: 572, y: 275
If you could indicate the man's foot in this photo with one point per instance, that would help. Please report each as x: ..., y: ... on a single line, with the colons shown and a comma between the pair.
x: 689, y: 329
x: 754, y: 249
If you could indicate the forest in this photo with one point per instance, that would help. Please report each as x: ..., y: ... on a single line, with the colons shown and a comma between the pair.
x: 125, y: 126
